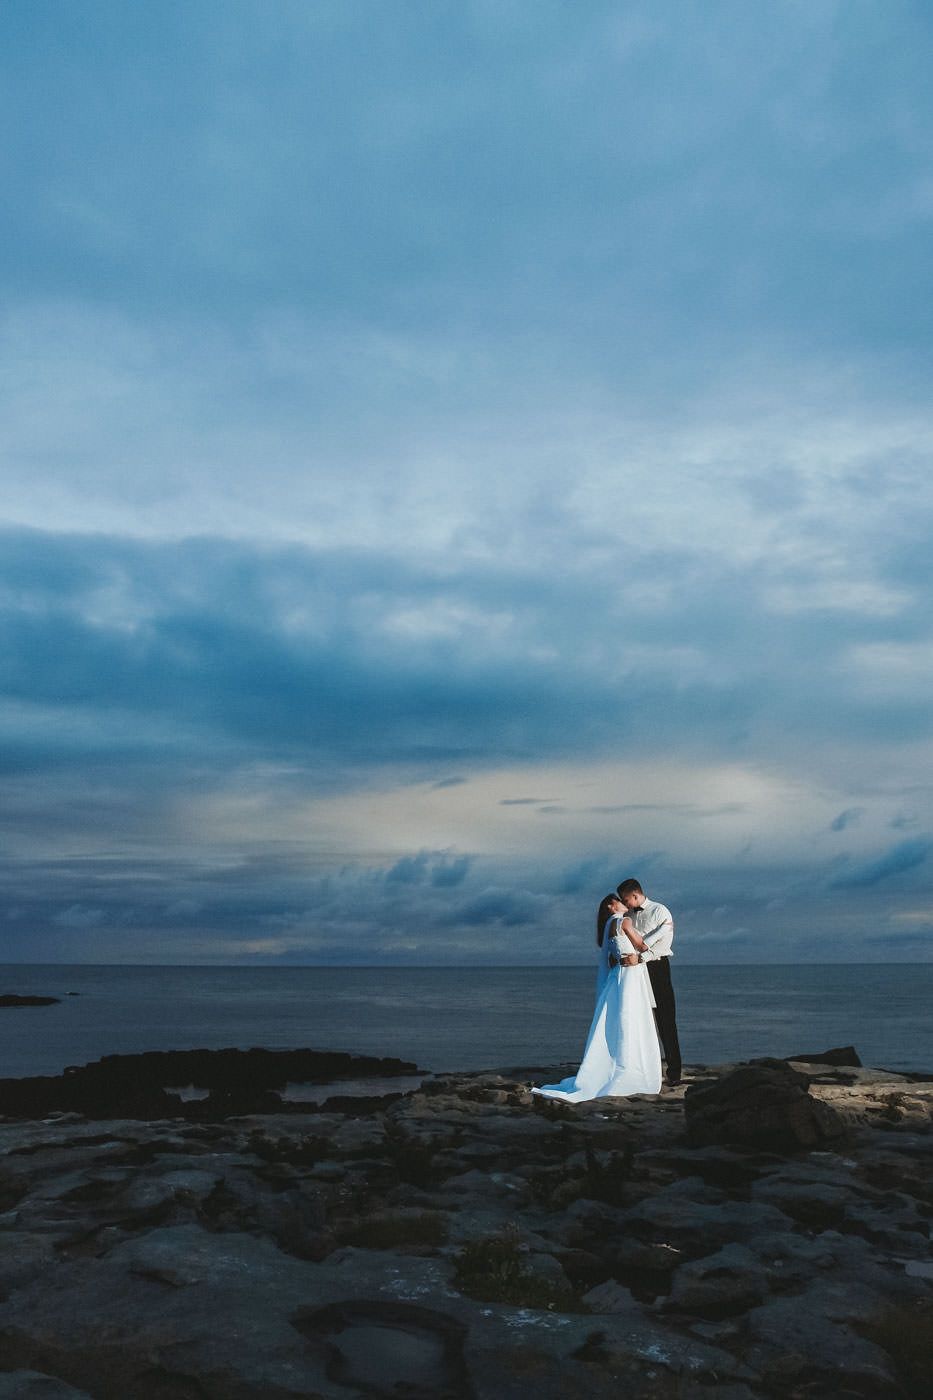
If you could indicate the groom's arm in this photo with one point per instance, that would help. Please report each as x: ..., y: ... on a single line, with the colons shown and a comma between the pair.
x: 659, y: 939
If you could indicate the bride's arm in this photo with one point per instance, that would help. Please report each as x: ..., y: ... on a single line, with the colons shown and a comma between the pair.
x: 621, y: 942
x: 624, y: 940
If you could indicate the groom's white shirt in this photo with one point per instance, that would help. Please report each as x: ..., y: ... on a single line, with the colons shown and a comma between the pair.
x: 655, y: 923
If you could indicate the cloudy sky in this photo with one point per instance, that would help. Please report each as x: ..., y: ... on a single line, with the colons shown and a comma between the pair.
x: 457, y: 455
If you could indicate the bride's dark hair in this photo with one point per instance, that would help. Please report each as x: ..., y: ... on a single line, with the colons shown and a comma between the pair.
x: 602, y: 914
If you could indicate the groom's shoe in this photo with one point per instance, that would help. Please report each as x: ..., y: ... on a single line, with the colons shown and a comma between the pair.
x: 671, y: 1082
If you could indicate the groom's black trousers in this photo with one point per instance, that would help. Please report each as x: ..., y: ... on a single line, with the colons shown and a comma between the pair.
x: 665, y: 1014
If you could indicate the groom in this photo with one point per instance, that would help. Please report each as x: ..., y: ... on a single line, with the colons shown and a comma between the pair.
x: 656, y: 926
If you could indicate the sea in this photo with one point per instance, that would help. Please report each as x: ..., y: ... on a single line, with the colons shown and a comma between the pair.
x: 456, y: 1018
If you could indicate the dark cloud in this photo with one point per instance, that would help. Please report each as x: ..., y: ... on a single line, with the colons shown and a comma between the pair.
x: 499, y: 906
x: 917, y: 939
x: 900, y: 859
x: 587, y: 875
x: 450, y: 872
x: 671, y: 807
x: 410, y: 870
x: 441, y: 868
x: 141, y: 678
x: 845, y: 819
x: 274, y: 907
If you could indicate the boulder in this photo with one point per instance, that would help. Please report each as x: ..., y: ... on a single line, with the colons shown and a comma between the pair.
x: 766, y: 1106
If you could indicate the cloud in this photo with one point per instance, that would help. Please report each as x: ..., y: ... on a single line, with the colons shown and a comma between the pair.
x: 511, y: 908
x: 443, y: 869
x: 224, y: 700
x: 845, y: 819
x: 410, y: 870
x: 448, y: 873
x: 586, y: 875
x: 900, y: 859
x: 918, y: 918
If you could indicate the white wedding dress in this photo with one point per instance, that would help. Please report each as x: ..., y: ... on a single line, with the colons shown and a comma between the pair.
x: 622, y: 1054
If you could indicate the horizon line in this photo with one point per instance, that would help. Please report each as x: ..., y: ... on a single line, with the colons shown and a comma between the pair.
x: 459, y: 967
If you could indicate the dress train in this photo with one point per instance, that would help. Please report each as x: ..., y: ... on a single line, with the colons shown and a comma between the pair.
x: 622, y: 1054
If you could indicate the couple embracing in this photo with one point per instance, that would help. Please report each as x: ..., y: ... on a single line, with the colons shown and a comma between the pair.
x: 634, y: 1003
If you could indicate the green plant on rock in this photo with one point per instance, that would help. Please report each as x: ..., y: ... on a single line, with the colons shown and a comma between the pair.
x: 412, y: 1158
x: 388, y: 1231
x: 297, y: 1151
x: 603, y: 1179
x: 494, y: 1270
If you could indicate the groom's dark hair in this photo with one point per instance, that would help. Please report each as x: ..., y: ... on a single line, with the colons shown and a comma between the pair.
x: 629, y: 887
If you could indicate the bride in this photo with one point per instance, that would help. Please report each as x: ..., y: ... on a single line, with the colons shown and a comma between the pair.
x: 622, y: 1054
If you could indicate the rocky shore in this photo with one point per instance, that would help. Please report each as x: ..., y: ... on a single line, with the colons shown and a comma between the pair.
x: 762, y: 1231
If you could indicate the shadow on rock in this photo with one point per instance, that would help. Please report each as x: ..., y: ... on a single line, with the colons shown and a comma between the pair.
x: 389, y: 1349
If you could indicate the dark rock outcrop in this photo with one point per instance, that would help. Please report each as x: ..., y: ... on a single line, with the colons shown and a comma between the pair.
x: 843, y: 1055
x: 766, y: 1106
x: 238, y: 1081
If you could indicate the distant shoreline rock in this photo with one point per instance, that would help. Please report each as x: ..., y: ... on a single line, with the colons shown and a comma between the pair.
x: 11, y: 999
x: 842, y: 1055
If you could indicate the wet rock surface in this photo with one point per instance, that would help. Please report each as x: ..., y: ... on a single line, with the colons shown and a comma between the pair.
x: 468, y: 1241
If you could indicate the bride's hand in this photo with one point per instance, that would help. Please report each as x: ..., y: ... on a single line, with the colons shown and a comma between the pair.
x: 630, y: 960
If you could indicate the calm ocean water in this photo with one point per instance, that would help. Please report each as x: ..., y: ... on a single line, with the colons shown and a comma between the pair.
x: 456, y: 1018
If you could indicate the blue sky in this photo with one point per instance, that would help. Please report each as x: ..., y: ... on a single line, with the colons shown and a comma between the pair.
x: 456, y: 456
